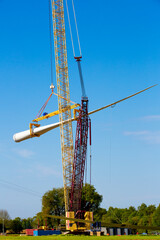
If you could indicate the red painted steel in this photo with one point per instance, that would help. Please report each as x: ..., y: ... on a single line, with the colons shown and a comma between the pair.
x: 79, y: 157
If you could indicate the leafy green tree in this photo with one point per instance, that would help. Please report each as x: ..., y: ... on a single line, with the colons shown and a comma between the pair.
x: 113, y: 215
x: 16, y: 225
x: 144, y: 221
x: 151, y: 209
x: 38, y: 220
x: 156, y: 217
x: 131, y: 209
x: 1, y: 228
x: 53, y: 204
x: 133, y: 220
x: 145, y: 215
x: 27, y: 223
x: 91, y: 199
x: 142, y: 210
x: 107, y: 219
x: 99, y: 213
x: 125, y: 215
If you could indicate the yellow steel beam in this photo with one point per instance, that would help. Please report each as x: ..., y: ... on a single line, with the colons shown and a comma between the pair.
x: 67, y: 147
x: 113, y: 104
x: 55, y: 113
x: 31, y: 128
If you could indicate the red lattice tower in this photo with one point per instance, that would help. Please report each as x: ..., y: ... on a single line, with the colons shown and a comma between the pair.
x: 79, y: 156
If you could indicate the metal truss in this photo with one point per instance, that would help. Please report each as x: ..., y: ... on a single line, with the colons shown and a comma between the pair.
x: 63, y: 90
x: 79, y: 157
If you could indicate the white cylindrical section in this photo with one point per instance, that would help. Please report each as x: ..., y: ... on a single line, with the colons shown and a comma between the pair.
x: 18, y: 137
x: 37, y: 132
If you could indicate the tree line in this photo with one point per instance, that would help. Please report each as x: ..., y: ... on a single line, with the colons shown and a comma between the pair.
x: 53, y: 204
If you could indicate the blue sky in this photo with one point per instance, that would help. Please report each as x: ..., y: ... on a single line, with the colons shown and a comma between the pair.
x: 121, y: 55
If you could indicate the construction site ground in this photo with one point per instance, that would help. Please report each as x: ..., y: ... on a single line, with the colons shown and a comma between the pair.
x: 68, y: 237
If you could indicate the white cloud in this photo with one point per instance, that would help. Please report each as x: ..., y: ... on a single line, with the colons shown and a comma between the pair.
x: 44, y: 170
x: 151, y: 137
x: 136, y: 133
x: 25, y: 153
x: 151, y: 118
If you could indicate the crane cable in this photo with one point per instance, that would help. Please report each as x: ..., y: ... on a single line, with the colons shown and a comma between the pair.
x: 45, y: 104
x: 50, y: 33
x: 78, y: 59
x: 76, y: 28
x: 90, y: 158
x: 19, y: 188
x: 70, y: 28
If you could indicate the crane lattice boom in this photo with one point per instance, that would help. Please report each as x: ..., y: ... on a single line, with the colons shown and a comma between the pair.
x: 63, y: 90
x: 79, y: 157
x: 73, y: 160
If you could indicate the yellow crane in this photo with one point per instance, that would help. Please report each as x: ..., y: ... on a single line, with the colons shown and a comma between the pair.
x: 63, y: 95
x: 64, y: 111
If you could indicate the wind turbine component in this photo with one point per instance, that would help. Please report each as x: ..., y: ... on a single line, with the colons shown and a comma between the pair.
x: 73, y: 162
x: 38, y: 131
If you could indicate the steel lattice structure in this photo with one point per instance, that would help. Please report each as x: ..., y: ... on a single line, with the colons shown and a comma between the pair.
x: 79, y: 157
x: 73, y: 160
x: 63, y: 90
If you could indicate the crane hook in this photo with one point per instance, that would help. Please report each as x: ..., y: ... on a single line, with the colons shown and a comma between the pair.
x: 52, y: 87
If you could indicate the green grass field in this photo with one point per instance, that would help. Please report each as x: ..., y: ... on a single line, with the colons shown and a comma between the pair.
x: 137, y: 237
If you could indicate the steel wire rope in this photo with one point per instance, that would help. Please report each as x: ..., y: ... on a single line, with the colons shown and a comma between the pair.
x: 90, y: 158
x: 76, y: 28
x: 21, y: 191
x: 77, y: 58
x: 70, y: 28
x: 110, y: 158
x: 86, y: 171
x: 50, y: 36
x: 86, y: 177
x: 110, y: 147
x: 20, y: 188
